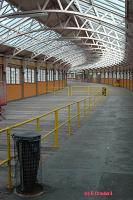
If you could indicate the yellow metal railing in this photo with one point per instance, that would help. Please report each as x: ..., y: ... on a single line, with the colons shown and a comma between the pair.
x: 89, y: 104
x: 87, y: 90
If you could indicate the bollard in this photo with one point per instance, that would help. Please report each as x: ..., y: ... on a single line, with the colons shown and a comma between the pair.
x: 104, y: 91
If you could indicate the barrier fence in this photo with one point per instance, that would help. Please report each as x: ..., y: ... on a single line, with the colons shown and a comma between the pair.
x: 73, y: 110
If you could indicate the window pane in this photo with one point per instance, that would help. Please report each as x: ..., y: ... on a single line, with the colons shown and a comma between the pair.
x: 43, y: 75
x: 29, y: 75
x: 25, y: 75
x: 8, y: 75
x: 51, y: 75
x: 48, y: 75
x: 13, y: 77
x: 33, y: 75
x: 39, y: 75
x: 56, y: 78
x: 17, y: 76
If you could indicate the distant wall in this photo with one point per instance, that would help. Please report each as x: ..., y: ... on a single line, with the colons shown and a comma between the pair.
x: 118, y: 77
x: 26, y: 80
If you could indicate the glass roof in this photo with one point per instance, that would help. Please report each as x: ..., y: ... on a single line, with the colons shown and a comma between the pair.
x: 111, y: 31
x: 44, y: 42
x: 103, y: 21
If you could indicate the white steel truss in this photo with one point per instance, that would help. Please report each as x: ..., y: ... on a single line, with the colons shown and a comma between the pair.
x: 101, y: 21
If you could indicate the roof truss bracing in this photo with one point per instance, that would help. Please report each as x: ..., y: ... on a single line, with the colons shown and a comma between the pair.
x: 93, y: 27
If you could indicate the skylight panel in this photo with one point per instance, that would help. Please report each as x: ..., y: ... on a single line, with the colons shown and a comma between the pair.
x: 116, y: 6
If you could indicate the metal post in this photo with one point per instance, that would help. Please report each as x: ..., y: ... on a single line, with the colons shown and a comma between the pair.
x: 94, y: 103
x: 10, y: 185
x: 69, y: 91
x: 38, y: 128
x: 69, y: 119
x: 88, y: 90
x: 89, y: 106
x: 54, y: 91
x: 106, y: 91
x: 78, y: 114
x: 84, y: 107
x: 56, y: 129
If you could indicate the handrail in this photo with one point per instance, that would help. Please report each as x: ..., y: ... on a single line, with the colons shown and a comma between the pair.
x: 38, y: 117
x: 88, y: 89
x: 86, y: 108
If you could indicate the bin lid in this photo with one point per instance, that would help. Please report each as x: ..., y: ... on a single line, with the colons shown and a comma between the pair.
x: 27, y: 136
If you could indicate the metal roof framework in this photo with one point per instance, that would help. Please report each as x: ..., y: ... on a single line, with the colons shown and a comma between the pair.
x: 101, y: 21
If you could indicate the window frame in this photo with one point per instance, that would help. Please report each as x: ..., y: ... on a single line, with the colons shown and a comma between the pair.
x: 12, y: 75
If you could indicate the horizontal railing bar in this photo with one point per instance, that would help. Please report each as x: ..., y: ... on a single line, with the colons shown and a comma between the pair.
x: 3, y: 162
x: 62, y: 124
x: 6, y: 161
x: 74, y: 117
x: 46, y: 135
x: 38, y: 117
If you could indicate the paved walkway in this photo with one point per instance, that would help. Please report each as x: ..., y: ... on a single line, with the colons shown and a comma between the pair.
x: 98, y: 157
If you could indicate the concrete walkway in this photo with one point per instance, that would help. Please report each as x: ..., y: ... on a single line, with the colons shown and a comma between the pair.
x: 98, y: 157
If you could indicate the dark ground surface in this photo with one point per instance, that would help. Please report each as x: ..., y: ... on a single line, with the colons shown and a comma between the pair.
x: 98, y: 157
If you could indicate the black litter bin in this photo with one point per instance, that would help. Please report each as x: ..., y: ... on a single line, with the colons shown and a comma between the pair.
x: 27, y: 147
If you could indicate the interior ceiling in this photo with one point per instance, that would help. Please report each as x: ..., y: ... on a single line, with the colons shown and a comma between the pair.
x: 80, y: 34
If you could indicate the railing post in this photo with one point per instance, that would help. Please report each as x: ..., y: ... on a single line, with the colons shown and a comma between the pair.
x: 69, y: 91
x: 56, y: 128
x: 89, y: 104
x: 94, y: 103
x: 84, y: 107
x: 69, y: 119
x: 78, y: 114
x: 38, y: 128
x: 54, y: 91
x: 107, y: 92
x: 88, y: 90
x: 8, y: 135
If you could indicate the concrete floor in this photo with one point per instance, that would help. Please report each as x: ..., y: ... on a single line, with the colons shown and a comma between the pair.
x: 25, y: 109
x: 98, y: 157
